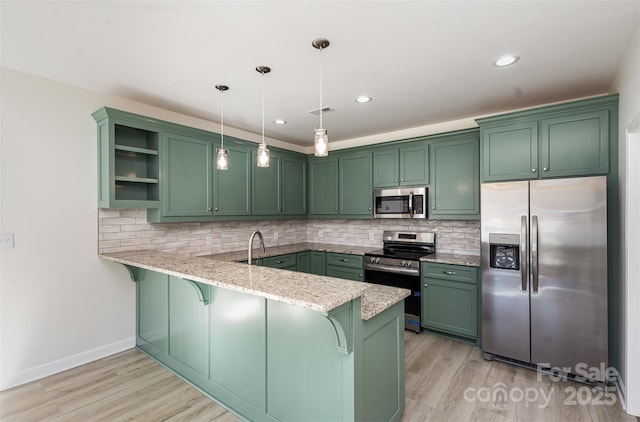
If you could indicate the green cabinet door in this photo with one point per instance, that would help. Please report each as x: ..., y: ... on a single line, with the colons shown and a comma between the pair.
x: 303, y: 260
x: 317, y: 263
x: 404, y: 166
x: 414, y: 164
x: 187, y: 172
x: 231, y: 194
x: 323, y: 186
x: 356, y: 187
x: 294, y: 185
x: 575, y: 145
x: 510, y: 152
x: 283, y: 262
x: 450, y: 298
x: 347, y: 266
x: 455, y: 179
x: 385, y: 168
x: 265, y: 192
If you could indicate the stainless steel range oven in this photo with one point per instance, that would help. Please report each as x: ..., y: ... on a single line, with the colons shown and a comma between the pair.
x: 398, y: 265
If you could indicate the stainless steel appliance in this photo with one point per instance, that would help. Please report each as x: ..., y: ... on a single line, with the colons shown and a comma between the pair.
x: 544, y: 272
x: 400, y: 203
x: 398, y: 265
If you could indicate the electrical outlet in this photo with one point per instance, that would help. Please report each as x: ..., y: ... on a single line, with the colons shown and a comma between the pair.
x: 275, y: 235
x: 320, y: 234
x: 371, y: 236
x: 6, y: 240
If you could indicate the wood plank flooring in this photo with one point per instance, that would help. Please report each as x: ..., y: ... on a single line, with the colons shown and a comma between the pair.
x: 446, y: 380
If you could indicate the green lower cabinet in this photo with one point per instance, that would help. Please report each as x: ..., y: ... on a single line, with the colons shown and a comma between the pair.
x: 450, y: 299
x: 303, y: 261
x: 283, y: 262
x: 317, y: 263
x: 268, y: 360
x: 347, y: 266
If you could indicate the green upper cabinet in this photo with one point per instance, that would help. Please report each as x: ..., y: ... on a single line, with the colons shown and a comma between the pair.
x: 454, y: 192
x: 564, y: 140
x: 575, y: 144
x: 355, y: 184
x: 341, y: 185
x: 128, y: 160
x: 231, y: 192
x: 187, y: 169
x: 510, y: 152
x: 280, y: 189
x: 323, y: 186
x: 401, y: 166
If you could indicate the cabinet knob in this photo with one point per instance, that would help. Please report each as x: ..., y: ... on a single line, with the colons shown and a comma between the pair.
x: 395, y: 180
x: 402, y: 180
x: 209, y: 209
x: 433, y: 207
x: 336, y: 210
x: 369, y: 208
x: 545, y: 169
x: 425, y: 284
x: 533, y: 170
x: 450, y: 272
x: 216, y: 209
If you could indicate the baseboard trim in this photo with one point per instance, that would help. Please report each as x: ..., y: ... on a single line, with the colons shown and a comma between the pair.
x: 41, y: 371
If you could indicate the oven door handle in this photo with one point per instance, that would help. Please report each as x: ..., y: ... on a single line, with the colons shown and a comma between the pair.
x: 392, y: 269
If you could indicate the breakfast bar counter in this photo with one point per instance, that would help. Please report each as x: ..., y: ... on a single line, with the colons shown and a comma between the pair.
x: 271, y: 344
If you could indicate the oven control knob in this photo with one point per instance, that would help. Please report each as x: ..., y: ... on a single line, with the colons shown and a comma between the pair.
x: 404, y: 263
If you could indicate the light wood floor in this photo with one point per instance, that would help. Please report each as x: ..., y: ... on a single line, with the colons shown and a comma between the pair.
x: 440, y: 373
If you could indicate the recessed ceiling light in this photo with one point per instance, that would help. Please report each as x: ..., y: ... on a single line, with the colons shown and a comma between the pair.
x: 280, y: 122
x: 506, y: 60
x: 363, y: 99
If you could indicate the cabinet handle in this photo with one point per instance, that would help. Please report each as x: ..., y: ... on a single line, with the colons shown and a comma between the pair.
x: 449, y: 272
x: 280, y: 262
x: 545, y: 169
x: 533, y: 170
x: 344, y: 260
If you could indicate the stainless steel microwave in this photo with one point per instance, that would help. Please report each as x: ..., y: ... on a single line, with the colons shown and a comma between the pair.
x: 400, y: 203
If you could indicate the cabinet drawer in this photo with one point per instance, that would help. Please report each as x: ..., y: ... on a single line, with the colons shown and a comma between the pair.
x: 450, y: 272
x: 280, y: 261
x: 345, y: 260
x: 355, y: 274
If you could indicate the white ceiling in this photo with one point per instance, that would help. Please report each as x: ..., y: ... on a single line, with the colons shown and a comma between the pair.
x: 423, y: 62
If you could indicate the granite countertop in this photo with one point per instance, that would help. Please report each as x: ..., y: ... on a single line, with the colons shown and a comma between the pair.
x: 449, y: 258
x: 318, y: 293
x: 238, y: 256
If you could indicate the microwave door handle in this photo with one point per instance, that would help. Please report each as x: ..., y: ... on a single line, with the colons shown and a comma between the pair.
x: 411, y: 204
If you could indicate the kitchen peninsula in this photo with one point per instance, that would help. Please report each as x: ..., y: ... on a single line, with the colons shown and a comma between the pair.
x: 272, y: 344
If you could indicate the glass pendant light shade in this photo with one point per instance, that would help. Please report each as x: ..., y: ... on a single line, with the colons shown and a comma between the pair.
x: 321, y: 143
x: 263, y: 155
x: 321, y: 139
x: 222, y: 162
x: 263, y: 151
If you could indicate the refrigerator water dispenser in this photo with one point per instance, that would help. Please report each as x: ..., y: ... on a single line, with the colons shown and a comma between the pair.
x: 504, y: 251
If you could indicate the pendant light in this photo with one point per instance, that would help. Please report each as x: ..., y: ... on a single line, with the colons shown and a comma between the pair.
x: 321, y: 139
x: 263, y: 151
x: 222, y: 162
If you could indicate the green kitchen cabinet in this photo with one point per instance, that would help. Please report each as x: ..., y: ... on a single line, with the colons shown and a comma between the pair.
x: 450, y: 299
x: 317, y: 262
x: 355, y: 184
x: 401, y: 166
x: 454, y: 192
x: 303, y: 261
x: 347, y: 266
x: 323, y: 186
x: 232, y: 187
x: 283, y: 262
x: 280, y: 189
x: 565, y: 140
x: 187, y: 169
x: 128, y: 160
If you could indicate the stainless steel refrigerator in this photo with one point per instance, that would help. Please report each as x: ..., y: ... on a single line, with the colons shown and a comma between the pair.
x: 544, y: 272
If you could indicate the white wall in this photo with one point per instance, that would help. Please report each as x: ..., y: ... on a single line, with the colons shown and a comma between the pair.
x: 60, y: 305
x: 627, y: 83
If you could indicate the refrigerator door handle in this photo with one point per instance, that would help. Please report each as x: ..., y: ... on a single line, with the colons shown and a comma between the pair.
x: 523, y: 252
x: 534, y: 252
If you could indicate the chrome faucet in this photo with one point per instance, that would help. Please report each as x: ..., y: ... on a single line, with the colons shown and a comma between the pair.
x: 253, y: 235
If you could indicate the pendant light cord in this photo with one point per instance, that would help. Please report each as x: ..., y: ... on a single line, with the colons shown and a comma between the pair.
x: 221, y: 121
x: 262, y: 108
x: 321, y: 87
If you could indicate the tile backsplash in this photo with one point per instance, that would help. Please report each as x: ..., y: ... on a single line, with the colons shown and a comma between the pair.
x: 128, y: 229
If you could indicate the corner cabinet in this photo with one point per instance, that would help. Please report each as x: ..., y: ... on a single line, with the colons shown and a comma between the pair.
x: 341, y: 185
x: 401, y: 166
x: 450, y: 299
x: 454, y: 192
x: 565, y: 140
x: 128, y: 160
